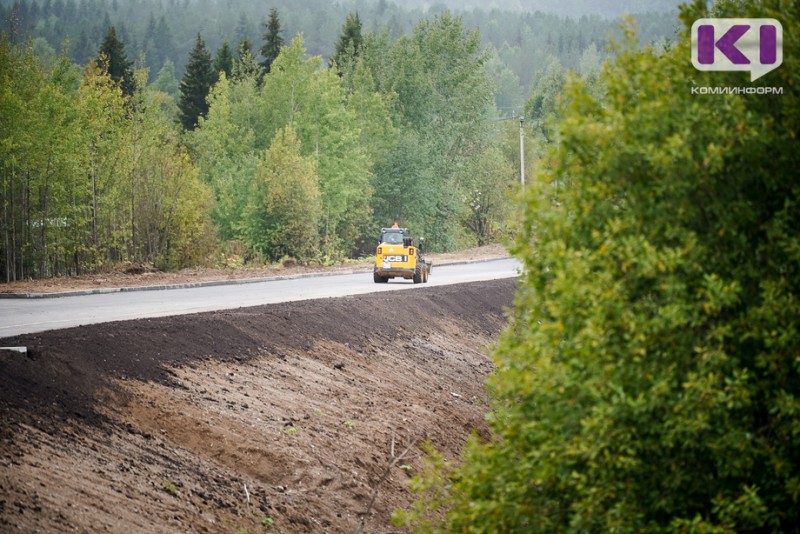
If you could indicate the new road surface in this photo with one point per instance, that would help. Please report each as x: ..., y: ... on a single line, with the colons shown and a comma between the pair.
x: 29, y: 315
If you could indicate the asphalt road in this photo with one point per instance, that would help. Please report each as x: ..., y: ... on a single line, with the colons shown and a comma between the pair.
x: 25, y: 316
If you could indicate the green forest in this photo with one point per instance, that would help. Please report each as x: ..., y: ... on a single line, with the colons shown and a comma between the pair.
x: 190, y: 133
x: 649, y: 379
x: 523, y: 39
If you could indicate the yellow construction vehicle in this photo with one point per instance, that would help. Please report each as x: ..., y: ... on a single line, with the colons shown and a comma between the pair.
x: 397, y: 257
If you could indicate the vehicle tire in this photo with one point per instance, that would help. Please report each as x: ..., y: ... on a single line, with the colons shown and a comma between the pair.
x: 379, y: 279
x: 417, y: 274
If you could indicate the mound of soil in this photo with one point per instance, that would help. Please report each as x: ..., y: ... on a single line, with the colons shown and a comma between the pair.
x: 296, y: 417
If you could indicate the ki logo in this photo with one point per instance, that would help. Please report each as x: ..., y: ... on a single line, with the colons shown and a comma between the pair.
x: 754, y: 45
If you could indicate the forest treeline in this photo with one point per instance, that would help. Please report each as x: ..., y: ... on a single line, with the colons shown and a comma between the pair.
x: 523, y: 39
x: 288, y: 157
x: 648, y: 380
x: 263, y: 149
x: 649, y: 377
x: 90, y: 177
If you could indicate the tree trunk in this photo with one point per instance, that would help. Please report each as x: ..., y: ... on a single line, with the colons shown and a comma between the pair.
x: 6, y: 239
x: 94, y: 211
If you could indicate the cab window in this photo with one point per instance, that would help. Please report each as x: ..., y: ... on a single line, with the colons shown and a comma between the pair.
x: 393, y: 238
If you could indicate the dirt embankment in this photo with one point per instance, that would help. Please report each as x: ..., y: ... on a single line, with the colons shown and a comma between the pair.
x: 278, y: 418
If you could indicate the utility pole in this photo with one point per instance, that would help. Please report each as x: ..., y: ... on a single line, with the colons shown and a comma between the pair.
x: 521, y: 152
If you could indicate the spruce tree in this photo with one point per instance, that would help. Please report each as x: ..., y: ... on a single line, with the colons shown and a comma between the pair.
x: 242, y: 31
x: 245, y: 47
x: 82, y: 52
x: 195, y: 85
x: 272, y: 41
x: 223, y: 60
x: 349, y: 44
x: 112, y: 58
x: 163, y: 38
x: 245, y: 65
x: 154, y: 55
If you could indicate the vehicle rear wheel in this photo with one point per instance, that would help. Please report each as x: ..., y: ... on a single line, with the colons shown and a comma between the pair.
x: 417, y: 274
x: 379, y: 279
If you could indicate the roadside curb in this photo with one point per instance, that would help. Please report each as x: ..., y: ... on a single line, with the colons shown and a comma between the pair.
x: 210, y: 283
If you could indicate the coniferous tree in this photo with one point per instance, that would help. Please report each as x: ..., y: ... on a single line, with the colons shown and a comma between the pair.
x: 106, y: 21
x: 245, y: 46
x: 273, y: 41
x: 349, y: 44
x: 82, y: 51
x: 242, y: 31
x: 163, y: 39
x: 245, y: 65
x: 126, y: 37
x: 196, y: 83
x: 150, y: 32
x: 112, y: 58
x: 223, y: 60
x: 153, y: 54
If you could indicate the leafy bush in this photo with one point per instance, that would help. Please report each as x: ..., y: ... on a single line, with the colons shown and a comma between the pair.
x: 649, y: 380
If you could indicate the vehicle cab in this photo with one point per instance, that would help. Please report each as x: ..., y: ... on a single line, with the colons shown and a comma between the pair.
x: 395, y: 256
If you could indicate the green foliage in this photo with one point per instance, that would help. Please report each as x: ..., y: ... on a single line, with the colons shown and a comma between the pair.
x: 273, y: 41
x: 405, y: 132
x: 170, y: 487
x: 224, y: 144
x: 432, y: 486
x: 195, y: 85
x: 404, y: 182
x: 543, y: 107
x: 488, y: 189
x: 37, y: 148
x: 113, y: 59
x: 169, y: 205
x: 344, y: 166
x: 648, y: 381
x: 348, y: 47
x: 372, y: 110
x: 164, y: 31
x: 243, y: 121
x: 443, y: 98
x: 282, y: 216
x: 508, y: 94
x: 166, y: 82
x: 101, y: 109
x: 245, y: 65
x: 223, y: 60
x: 90, y: 177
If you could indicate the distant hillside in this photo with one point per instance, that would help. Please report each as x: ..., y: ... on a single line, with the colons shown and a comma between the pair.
x: 527, y: 34
x: 568, y: 8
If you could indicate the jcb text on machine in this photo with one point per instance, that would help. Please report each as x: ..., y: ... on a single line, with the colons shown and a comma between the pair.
x: 397, y: 257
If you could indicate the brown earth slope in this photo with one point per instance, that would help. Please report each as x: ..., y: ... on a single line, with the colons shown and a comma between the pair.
x: 284, y: 415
